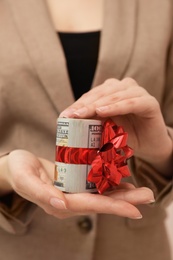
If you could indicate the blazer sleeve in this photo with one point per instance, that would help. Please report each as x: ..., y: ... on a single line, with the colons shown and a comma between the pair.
x: 145, y: 174
x: 15, y: 212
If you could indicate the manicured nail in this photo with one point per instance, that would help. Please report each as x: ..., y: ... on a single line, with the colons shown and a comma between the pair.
x: 150, y: 201
x: 138, y: 217
x: 80, y: 112
x: 102, y: 109
x: 57, y: 203
x: 67, y: 113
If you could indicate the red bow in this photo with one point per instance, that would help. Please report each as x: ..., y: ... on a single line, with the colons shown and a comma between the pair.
x: 110, y: 163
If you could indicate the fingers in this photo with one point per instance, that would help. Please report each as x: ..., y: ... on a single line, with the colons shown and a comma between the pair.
x: 119, y: 202
x: 91, y: 96
x: 96, y: 203
x: 112, y: 98
x: 121, y: 103
x: 134, y: 196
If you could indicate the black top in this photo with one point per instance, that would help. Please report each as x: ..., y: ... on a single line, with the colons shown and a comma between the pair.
x: 81, y: 52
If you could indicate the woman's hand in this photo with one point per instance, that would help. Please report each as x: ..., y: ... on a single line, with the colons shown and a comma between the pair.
x: 32, y: 178
x: 132, y: 107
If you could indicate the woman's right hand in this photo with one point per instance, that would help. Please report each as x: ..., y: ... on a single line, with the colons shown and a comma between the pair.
x: 32, y: 179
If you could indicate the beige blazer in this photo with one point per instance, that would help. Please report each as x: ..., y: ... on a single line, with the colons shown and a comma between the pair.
x: 34, y: 88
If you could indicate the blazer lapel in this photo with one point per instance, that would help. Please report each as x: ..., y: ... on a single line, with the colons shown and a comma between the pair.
x: 44, y: 48
x: 117, y: 40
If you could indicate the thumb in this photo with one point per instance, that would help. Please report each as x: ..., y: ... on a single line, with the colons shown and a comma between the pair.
x: 48, y: 194
x: 42, y: 193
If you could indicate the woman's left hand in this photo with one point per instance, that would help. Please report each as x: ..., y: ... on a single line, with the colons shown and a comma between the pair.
x: 132, y: 107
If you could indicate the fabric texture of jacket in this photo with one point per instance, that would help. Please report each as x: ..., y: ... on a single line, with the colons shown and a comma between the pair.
x: 136, y: 41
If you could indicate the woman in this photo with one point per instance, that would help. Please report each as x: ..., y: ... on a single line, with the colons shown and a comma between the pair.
x: 38, y: 69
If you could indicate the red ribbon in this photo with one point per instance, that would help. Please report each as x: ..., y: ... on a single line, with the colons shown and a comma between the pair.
x: 109, y: 163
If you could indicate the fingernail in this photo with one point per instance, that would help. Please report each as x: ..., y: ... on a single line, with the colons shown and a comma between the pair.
x: 67, y: 113
x: 57, y: 203
x: 150, y: 201
x: 138, y: 217
x: 104, y: 108
x: 81, y: 111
